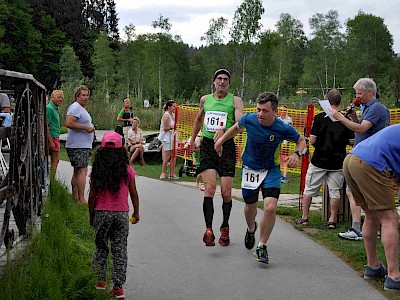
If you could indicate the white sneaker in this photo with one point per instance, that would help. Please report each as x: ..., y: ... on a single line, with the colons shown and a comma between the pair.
x: 351, y: 234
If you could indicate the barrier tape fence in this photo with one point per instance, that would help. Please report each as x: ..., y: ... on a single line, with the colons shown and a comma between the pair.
x: 302, y: 121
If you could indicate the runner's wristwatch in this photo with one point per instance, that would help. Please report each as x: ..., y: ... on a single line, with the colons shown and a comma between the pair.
x: 299, y: 154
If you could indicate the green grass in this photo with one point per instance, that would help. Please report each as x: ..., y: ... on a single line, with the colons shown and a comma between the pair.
x: 57, y: 263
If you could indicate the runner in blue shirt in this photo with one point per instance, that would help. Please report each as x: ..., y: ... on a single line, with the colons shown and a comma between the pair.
x: 261, y: 165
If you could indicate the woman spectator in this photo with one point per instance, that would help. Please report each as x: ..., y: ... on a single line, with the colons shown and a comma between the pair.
x: 135, y: 141
x: 166, y: 137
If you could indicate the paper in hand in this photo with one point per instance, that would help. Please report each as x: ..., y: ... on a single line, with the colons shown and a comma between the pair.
x: 326, y: 107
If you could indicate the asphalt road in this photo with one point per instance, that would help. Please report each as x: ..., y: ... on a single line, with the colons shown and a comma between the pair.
x: 167, y: 258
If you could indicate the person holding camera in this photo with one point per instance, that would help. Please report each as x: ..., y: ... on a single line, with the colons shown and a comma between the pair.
x: 126, y: 116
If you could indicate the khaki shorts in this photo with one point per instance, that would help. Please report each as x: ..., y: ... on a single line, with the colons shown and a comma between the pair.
x: 370, y: 187
x: 316, y: 176
x: 167, y: 146
x: 125, y: 130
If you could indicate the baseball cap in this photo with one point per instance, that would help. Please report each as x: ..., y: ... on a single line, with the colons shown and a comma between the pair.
x: 111, y: 139
x: 222, y: 71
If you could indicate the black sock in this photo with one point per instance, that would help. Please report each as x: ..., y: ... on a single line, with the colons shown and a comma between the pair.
x: 226, y: 210
x: 208, y: 210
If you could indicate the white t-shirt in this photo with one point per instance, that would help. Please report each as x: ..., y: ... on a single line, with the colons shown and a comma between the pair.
x: 79, y: 138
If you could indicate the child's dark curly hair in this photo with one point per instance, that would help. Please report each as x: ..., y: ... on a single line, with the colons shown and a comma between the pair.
x: 109, y: 167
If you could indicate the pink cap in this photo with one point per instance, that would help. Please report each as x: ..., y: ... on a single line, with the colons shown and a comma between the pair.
x: 111, y: 139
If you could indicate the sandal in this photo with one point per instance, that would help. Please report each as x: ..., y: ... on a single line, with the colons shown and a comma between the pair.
x: 331, y: 225
x: 301, y: 221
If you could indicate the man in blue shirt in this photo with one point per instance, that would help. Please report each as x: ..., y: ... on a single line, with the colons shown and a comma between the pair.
x: 261, y: 165
x: 369, y: 170
x: 374, y: 118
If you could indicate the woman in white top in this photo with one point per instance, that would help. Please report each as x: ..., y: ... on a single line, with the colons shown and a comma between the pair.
x: 166, y: 137
x: 135, y: 141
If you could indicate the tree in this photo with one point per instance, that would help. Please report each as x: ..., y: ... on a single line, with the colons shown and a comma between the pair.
x: 324, y: 51
x: 214, y: 38
x: 369, y: 47
x: 104, y: 67
x: 245, y: 30
x: 164, y: 26
x: 112, y: 21
x: 214, y: 34
x: 290, y: 51
x: 70, y: 67
x: 52, y: 41
x: 131, y: 68
x: 130, y: 32
x: 21, y: 47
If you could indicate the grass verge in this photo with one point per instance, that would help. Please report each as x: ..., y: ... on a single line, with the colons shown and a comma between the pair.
x: 57, y: 263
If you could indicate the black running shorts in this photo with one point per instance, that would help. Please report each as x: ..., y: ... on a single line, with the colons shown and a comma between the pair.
x: 209, y: 159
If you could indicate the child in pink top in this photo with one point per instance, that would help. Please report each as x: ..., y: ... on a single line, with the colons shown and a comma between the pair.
x: 111, y: 180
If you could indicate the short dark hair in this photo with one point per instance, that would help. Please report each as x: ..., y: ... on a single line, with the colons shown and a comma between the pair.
x: 334, y: 97
x: 268, y: 97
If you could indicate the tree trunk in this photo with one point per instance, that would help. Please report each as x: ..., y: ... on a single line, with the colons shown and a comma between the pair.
x: 243, y: 74
x: 159, y: 83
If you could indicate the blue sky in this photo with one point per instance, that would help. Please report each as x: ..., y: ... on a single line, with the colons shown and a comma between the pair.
x: 190, y: 18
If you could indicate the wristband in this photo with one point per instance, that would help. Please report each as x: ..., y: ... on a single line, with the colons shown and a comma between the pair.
x: 299, y: 154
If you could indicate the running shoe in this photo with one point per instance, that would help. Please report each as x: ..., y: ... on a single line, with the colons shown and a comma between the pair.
x: 261, y: 254
x: 173, y: 176
x: 249, y: 239
x: 162, y: 176
x: 371, y: 273
x: 101, y: 285
x: 118, y: 293
x: 391, y: 284
x: 284, y: 180
x: 351, y: 234
x: 224, y: 239
x: 209, y: 238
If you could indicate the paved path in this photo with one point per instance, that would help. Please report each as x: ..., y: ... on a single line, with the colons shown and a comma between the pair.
x: 168, y: 260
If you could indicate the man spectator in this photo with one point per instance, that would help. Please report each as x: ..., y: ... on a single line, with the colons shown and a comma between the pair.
x: 329, y: 140
x: 261, y: 169
x: 126, y: 116
x: 79, y: 141
x: 53, y: 127
x: 218, y: 111
x: 369, y: 169
x: 375, y: 117
x: 5, y: 105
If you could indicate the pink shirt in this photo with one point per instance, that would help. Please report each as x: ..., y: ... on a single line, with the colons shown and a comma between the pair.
x: 116, y: 202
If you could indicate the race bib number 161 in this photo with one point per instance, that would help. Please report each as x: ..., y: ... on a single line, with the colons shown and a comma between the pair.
x: 251, y: 179
x: 215, y: 120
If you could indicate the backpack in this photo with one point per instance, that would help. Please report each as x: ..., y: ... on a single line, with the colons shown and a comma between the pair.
x: 120, y: 130
x: 154, y: 144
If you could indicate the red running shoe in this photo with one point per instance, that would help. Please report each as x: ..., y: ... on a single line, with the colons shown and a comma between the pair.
x: 209, y: 238
x: 101, y: 285
x: 224, y: 239
x: 118, y: 293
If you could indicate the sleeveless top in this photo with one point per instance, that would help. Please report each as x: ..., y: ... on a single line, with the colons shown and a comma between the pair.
x: 212, y: 104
